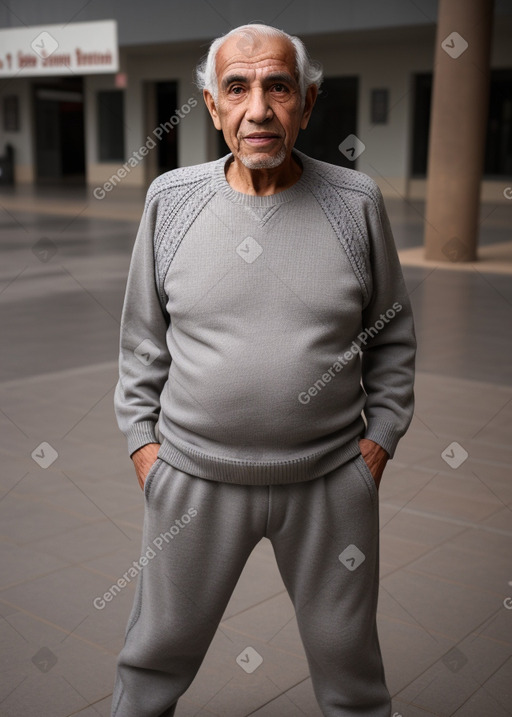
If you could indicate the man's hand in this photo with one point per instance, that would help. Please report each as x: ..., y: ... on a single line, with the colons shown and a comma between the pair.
x: 375, y: 458
x: 143, y: 459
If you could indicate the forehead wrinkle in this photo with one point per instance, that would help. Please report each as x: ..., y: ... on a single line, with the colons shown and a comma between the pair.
x: 281, y: 56
x: 280, y: 77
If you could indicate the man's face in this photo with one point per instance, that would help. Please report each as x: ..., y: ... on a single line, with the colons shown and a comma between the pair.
x: 259, y: 108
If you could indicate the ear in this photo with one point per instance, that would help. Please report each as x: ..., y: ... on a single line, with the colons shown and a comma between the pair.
x: 311, y: 95
x: 210, y: 103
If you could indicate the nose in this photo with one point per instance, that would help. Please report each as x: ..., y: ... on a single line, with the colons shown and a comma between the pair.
x: 258, y: 108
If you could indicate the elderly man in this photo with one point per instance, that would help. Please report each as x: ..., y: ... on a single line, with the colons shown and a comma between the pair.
x: 267, y: 330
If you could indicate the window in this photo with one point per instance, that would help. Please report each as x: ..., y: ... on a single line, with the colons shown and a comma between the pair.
x: 498, y: 146
x: 334, y: 117
x: 111, y: 126
x: 420, y: 125
x: 498, y: 150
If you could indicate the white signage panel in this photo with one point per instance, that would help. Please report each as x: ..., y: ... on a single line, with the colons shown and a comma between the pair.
x: 79, y: 48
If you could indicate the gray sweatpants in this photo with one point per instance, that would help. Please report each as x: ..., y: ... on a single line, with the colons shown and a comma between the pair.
x: 325, y: 536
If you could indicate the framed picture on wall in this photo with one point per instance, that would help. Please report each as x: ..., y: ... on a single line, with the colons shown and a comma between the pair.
x: 379, y: 106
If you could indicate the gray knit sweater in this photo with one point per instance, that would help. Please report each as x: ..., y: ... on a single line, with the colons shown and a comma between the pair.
x: 261, y: 337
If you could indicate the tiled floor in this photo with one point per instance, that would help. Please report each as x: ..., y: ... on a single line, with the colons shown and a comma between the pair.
x: 71, y: 529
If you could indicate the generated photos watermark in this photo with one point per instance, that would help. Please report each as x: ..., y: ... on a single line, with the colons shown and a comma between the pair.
x: 133, y: 571
x: 44, y: 44
x: 44, y: 659
x: 44, y: 455
x: 249, y: 660
x: 454, y: 45
x: 455, y: 455
x: 351, y: 557
x: 354, y: 350
x: 249, y: 250
x: 137, y: 156
x: 351, y: 147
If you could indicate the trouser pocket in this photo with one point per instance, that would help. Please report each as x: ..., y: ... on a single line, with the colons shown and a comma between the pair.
x: 150, y: 477
x: 367, y: 477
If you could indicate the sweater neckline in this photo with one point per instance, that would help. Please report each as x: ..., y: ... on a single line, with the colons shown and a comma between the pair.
x: 252, y: 200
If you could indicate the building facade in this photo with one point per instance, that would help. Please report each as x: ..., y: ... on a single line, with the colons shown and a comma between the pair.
x: 146, y: 116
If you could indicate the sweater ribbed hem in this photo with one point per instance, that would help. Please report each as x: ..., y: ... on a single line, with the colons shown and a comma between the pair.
x: 263, y: 473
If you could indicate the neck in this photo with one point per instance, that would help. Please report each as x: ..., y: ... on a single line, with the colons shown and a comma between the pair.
x: 263, y: 182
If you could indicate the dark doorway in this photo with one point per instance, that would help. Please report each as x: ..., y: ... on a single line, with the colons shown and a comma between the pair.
x: 59, y: 131
x: 498, y: 150
x: 334, y: 117
x: 498, y: 143
x: 422, y: 89
x: 166, y: 105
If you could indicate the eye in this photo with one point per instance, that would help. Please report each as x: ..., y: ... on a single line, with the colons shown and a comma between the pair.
x: 236, y: 89
x: 278, y: 87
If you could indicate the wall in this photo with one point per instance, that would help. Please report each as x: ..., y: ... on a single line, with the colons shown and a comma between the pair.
x: 382, y: 63
x: 22, y: 141
x: 157, y: 21
x: 380, y: 59
x: 193, y: 130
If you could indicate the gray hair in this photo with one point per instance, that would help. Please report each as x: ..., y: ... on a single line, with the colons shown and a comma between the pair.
x: 309, y: 72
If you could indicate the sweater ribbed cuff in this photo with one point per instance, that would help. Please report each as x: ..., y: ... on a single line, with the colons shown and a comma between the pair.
x: 383, y: 433
x: 140, y: 434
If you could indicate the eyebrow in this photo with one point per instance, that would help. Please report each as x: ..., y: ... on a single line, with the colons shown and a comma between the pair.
x: 273, y: 77
x: 233, y: 78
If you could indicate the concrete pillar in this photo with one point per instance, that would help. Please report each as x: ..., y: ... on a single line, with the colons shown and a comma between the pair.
x: 457, y: 129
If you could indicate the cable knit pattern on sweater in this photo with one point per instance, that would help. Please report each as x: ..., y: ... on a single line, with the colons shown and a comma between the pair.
x: 187, y: 190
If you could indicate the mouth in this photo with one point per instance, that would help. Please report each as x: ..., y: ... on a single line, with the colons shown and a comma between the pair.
x: 257, y: 139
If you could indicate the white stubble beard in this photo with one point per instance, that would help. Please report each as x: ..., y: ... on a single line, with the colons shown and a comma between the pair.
x: 266, y: 162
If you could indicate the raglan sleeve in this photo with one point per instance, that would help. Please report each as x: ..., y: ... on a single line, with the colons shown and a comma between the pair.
x: 388, y: 339
x: 144, y: 359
